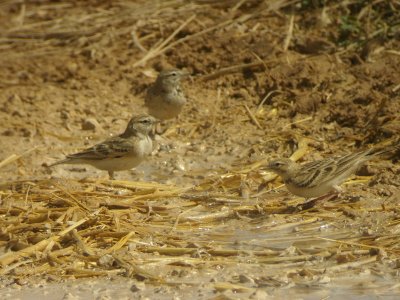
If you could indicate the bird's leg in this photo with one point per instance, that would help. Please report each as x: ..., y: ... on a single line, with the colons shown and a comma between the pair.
x: 111, y: 174
x: 310, y: 202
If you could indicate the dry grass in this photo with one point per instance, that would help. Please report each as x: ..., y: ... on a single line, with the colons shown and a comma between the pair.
x: 96, y: 228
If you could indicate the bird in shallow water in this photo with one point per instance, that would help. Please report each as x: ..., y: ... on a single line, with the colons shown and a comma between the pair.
x: 118, y: 153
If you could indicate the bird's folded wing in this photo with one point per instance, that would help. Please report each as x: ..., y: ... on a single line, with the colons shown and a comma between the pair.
x: 112, y: 148
x: 333, y: 169
x: 311, y: 174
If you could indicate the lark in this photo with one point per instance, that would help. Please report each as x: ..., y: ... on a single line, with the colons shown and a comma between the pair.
x: 118, y: 153
x: 321, y: 177
x: 165, y: 98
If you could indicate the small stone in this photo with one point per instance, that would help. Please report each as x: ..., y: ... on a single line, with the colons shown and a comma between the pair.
x: 259, y: 294
x: 26, y: 132
x: 64, y: 115
x: 8, y: 132
x: 366, y: 170
x: 132, y: 246
x: 72, y: 68
x: 245, y: 279
x: 91, y: 124
x: 179, y: 164
x: 138, y: 286
x: 19, y: 113
x: 106, y: 260
x: 69, y: 296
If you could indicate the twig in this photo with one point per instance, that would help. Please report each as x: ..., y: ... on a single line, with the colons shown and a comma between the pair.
x: 136, y: 41
x: 159, y: 50
x: 352, y: 264
x: 297, y: 122
x: 252, y: 117
x: 14, y: 157
x: 289, y: 34
x: 120, y: 243
x: 153, y: 52
x: 236, y: 7
x: 81, y: 244
x: 75, y: 200
x: 393, y: 52
x: 10, y: 257
x: 265, y: 99
x: 259, y: 59
x: 396, y: 88
x: 352, y: 243
x: 181, y: 214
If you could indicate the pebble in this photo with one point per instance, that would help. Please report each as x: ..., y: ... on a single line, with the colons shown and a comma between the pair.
x: 91, y: 124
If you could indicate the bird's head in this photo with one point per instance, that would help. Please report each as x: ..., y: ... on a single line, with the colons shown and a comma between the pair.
x: 141, y: 124
x: 282, y: 166
x: 172, y: 77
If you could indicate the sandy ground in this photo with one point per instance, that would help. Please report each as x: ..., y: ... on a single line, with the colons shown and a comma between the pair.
x: 265, y: 77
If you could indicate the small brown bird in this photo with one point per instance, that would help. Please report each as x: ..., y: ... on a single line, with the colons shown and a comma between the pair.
x: 122, y: 152
x: 323, y: 176
x: 165, y: 98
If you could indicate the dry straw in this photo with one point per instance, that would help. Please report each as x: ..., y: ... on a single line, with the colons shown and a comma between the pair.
x: 100, y: 228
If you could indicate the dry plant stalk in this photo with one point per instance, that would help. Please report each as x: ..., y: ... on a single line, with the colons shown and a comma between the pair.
x: 14, y: 157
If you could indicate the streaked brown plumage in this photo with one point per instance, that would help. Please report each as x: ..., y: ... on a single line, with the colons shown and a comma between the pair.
x: 323, y: 176
x: 122, y: 152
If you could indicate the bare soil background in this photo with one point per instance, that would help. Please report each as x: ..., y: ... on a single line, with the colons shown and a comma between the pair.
x: 269, y: 79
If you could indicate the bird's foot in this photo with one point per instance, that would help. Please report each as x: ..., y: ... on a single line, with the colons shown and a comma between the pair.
x: 111, y: 175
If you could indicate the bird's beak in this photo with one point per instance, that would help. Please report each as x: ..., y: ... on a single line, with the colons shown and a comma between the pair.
x: 266, y: 167
x: 185, y: 74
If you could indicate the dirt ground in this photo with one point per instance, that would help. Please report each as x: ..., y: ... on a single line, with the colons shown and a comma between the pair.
x: 268, y: 77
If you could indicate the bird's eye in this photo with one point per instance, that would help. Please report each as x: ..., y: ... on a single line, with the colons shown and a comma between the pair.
x: 174, y: 74
x: 276, y: 164
x: 145, y: 121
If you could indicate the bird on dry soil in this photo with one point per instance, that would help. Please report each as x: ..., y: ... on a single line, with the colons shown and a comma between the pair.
x: 165, y: 98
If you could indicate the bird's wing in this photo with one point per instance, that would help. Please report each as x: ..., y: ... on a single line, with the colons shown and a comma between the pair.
x: 112, y: 148
x: 334, y: 169
x: 152, y: 92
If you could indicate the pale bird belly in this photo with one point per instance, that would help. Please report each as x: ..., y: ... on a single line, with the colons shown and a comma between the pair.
x: 165, y: 109
x: 127, y: 162
x: 312, y: 192
x: 117, y: 164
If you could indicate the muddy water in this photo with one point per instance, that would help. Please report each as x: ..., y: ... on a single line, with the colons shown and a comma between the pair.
x: 353, y: 283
